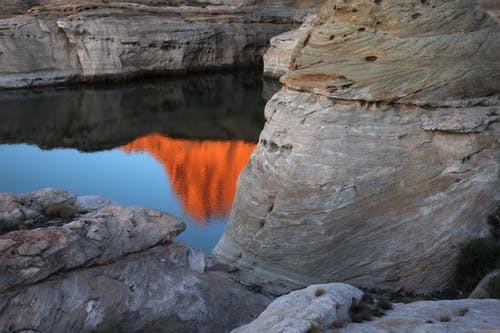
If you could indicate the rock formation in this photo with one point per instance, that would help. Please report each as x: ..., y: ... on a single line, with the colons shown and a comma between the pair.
x: 381, y: 153
x: 325, y: 308
x: 101, y: 269
x: 60, y: 41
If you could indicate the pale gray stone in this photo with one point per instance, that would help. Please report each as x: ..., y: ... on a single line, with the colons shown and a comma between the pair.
x: 431, y: 317
x: 151, y: 291
x: 317, y: 306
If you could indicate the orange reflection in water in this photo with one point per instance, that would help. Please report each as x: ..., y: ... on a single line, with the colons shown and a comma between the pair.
x: 203, y: 174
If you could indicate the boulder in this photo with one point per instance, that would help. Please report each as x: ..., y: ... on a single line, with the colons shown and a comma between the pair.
x: 315, y: 307
x: 379, y: 156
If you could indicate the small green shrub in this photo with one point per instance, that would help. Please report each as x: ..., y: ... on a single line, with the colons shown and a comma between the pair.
x: 313, y: 329
x: 493, y: 287
x: 60, y: 210
x: 319, y: 292
x: 384, y: 304
x: 476, y: 259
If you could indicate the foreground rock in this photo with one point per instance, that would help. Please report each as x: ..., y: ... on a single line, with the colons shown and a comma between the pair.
x: 316, y: 307
x: 459, y: 316
x: 28, y: 256
x: 351, y: 180
x: 61, y: 41
x: 328, y: 308
x: 110, y: 268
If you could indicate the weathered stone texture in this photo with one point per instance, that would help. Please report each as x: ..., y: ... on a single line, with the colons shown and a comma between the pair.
x: 380, y: 155
x: 61, y: 41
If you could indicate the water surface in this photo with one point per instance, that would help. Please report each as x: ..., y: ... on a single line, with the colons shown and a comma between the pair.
x: 173, y: 144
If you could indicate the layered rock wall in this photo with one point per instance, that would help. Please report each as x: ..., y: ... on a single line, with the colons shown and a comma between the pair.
x: 380, y: 155
x: 60, y: 41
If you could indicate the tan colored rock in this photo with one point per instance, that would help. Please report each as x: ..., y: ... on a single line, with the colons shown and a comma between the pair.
x: 337, y: 192
x: 285, y: 48
x: 62, y: 41
x: 380, y: 155
x: 439, y: 53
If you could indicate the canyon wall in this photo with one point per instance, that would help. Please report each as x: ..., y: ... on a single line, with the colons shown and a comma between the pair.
x: 50, y: 42
x: 379, y: 156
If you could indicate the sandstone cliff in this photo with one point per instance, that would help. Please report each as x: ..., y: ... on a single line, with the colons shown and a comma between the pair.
x: 379, y: 156
x: 49, y: 41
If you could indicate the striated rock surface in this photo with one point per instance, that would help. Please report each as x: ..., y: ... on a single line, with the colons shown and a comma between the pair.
x: 61, y: 41
x: 380, y: 155
x: 317, y: 306
x: 112, y: 268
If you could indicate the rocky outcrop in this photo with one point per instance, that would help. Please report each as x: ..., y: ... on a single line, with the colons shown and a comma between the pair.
x: 61, y: 41
x: 379, y: 156
x: 93, y: 238
x: 313, y: 308
x: 111, y: 268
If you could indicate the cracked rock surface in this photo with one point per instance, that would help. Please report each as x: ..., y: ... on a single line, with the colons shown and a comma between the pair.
x: 361, y: 184
x: 102, y: 268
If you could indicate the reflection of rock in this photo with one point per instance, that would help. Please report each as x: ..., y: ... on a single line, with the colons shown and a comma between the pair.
x: 203, y: 174
x: 62, y: 41
x: 196, y: 107
x: 375, y: 191
x: 99, y: 272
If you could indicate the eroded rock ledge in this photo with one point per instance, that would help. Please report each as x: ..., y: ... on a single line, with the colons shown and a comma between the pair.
x: 101, y: 268
x: 50, y: 42
x: 379, y: 156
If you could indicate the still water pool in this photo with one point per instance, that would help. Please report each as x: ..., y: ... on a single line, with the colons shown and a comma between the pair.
x: 172, y: 144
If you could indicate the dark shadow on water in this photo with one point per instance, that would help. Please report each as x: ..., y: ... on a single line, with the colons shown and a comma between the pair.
x: 220, y: 106
x: 175, y: 144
